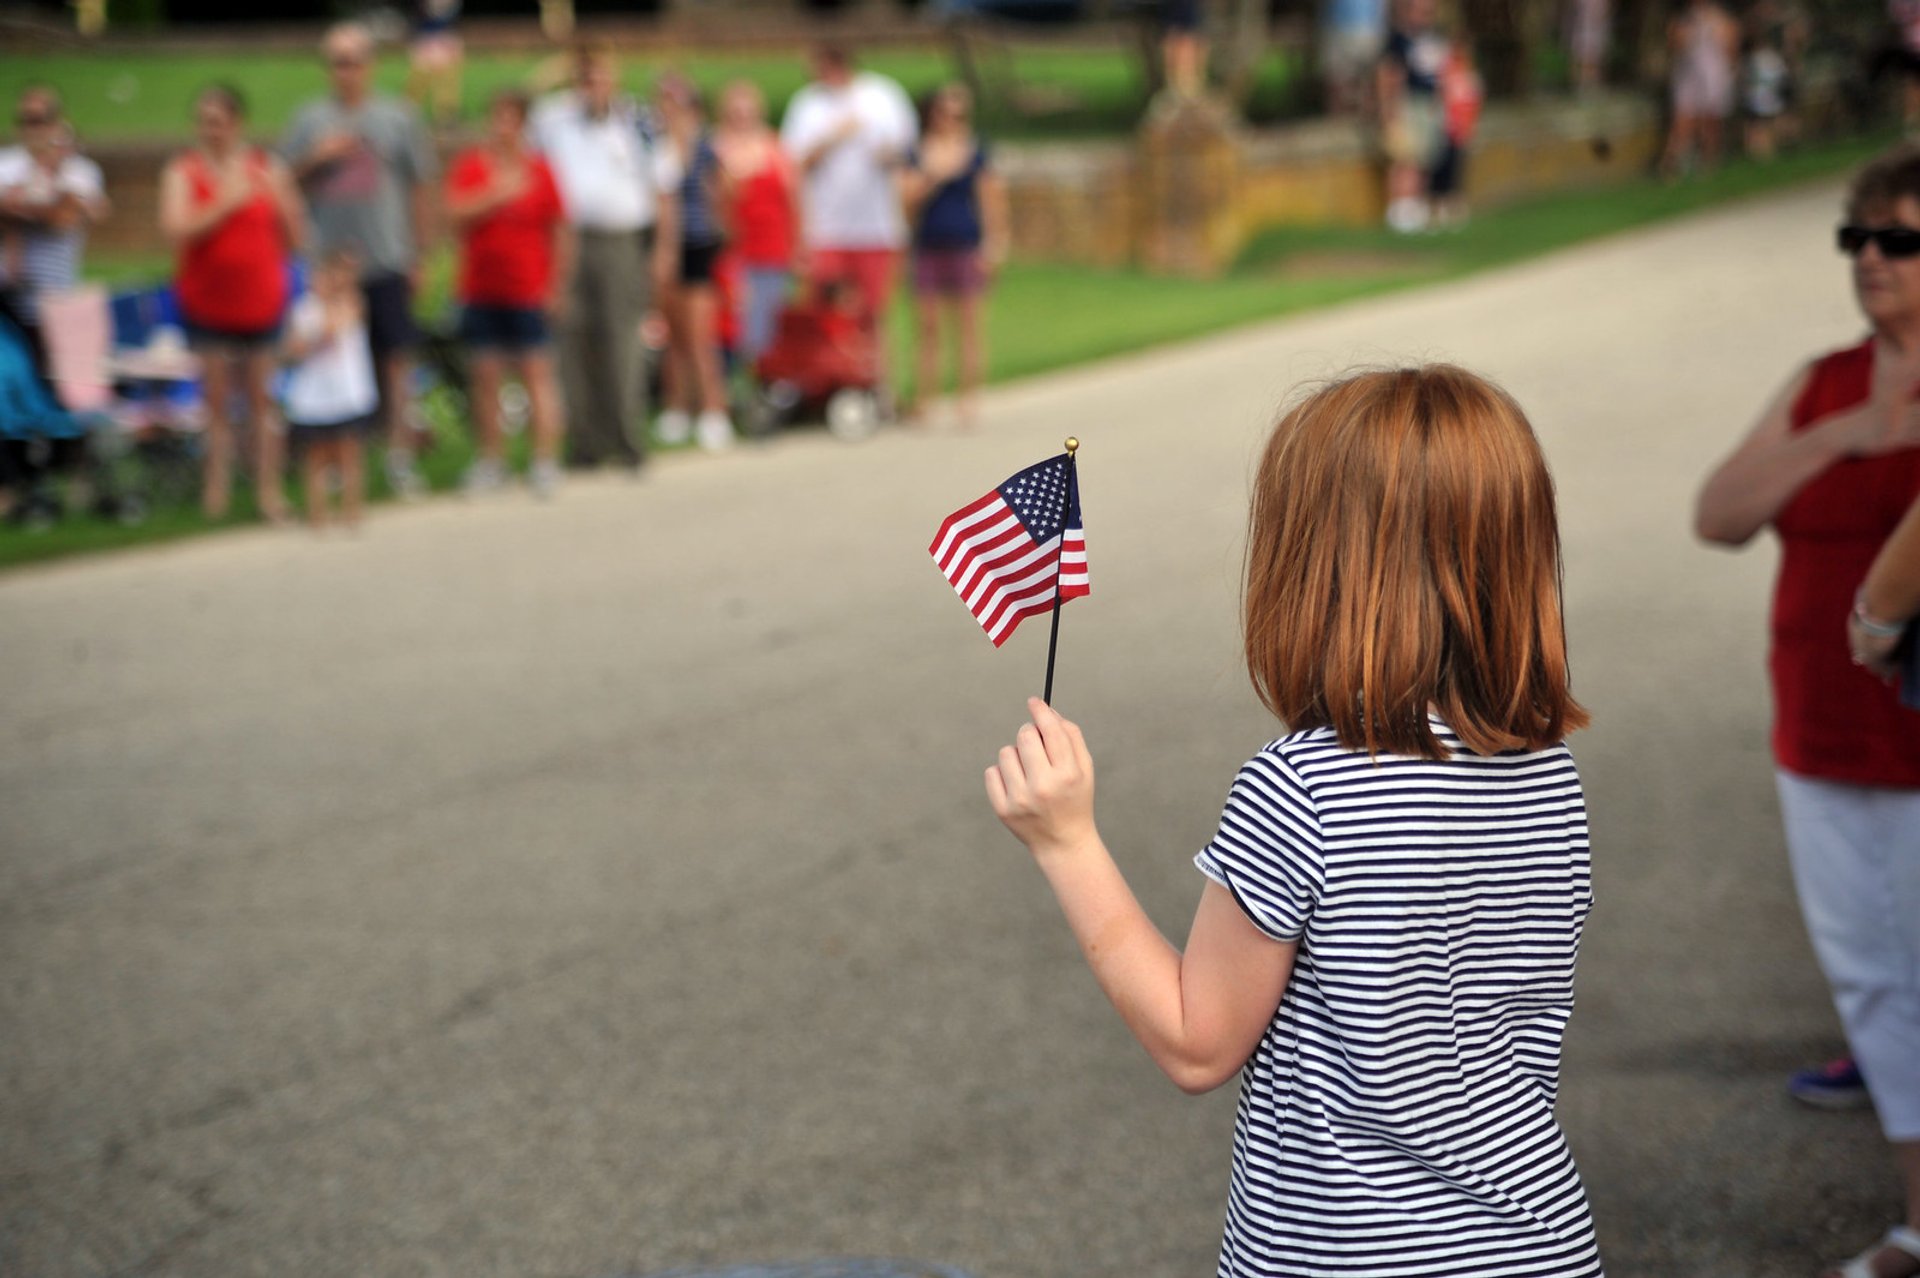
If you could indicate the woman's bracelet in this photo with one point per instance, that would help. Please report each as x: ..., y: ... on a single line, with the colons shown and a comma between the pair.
x: 1872, y: 625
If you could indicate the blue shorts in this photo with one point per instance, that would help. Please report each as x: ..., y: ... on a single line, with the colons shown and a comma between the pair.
x: 503, y: 328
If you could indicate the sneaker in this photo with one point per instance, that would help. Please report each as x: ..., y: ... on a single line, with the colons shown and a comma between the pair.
x: 674, y: 427
x: 715, y: 430
x: 402, y: 477
x: 1835, y: 1085
x: 544, y: 479
x: 486, y: 475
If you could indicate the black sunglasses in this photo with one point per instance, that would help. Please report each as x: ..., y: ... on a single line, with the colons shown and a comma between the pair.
x: 29, y: 120
x: 1894, y: 241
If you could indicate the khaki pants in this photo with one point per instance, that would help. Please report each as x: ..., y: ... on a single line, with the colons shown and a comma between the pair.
x: 599, y: 350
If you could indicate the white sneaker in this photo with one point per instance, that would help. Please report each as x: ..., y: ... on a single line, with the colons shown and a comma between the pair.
x: 715, y: 430
x: 674, y: 427
x: 402, y: 477
x: 544, y: 479
x: 486, y: 475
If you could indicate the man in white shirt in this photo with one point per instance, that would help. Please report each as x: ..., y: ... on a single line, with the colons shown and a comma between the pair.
x: 619, y: 181
x: 848, y: 132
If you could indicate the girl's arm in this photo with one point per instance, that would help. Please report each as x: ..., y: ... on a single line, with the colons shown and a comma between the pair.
x: 1889, y: 598
x: 1892, y: 588
x: 1774, y: 462
x: 1200, y: 1013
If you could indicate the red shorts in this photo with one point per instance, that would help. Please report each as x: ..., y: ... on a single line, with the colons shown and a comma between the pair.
x: 870, y: 271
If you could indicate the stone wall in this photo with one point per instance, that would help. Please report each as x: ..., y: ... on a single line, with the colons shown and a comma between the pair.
x: 1189, y: 192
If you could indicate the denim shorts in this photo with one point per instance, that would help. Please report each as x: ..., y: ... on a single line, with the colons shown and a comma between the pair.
x: 503, y: 328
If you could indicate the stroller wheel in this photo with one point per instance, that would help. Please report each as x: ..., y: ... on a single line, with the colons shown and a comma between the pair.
x: 852, y: 415
x: 763, y: 417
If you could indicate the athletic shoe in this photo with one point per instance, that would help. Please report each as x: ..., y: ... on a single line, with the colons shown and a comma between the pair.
x: 1835, y: 1085
x: 485, y: 475
x: 544, y: 479
x: 402, y: 477
x: 674, y: 427
x: 715, y: 431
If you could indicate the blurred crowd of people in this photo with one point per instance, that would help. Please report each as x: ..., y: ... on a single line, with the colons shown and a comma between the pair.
x: 632, y: 262
x: 589, y: 229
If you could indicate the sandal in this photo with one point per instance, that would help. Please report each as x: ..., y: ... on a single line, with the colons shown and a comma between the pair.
x: 1900, y: 1238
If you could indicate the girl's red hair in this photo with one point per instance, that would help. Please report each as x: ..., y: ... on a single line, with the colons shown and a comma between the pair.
x: 1403, y: 555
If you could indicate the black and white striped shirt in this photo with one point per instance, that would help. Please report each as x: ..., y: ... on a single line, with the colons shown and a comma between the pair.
x: 1396, y: 1119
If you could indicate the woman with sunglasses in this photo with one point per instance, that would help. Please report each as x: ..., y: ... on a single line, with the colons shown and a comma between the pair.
x: 234, y: 216
x: 1832, y: 467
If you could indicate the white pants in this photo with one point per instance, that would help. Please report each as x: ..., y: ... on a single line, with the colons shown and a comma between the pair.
x: 1856, y: 862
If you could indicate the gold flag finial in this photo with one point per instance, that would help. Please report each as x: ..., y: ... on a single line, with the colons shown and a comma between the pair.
x: 1073, y: 445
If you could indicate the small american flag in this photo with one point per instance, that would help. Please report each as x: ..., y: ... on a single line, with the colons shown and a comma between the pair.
x: 1006, y: 552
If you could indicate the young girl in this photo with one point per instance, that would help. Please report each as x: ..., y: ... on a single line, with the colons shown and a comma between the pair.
x: 1384, y: 947
x: 331, y: 395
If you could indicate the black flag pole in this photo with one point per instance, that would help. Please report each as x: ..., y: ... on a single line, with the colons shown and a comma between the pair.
x: 1066, y: 515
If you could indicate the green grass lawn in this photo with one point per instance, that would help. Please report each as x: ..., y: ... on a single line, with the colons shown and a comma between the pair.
x: 1090, y: 89
x: 1042, y: 318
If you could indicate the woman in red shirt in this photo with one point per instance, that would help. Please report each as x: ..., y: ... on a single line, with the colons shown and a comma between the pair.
x: 235, y: 217
x: 1832, y: 467
x: 515, y: 252
x: 763, y: 214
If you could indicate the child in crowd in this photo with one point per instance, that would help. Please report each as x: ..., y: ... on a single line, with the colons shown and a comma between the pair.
x: 331, y: 394
x: 1384, y: 948
x: 1461, y: 95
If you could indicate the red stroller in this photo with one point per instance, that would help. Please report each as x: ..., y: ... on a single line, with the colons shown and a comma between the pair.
x: 825, y: 360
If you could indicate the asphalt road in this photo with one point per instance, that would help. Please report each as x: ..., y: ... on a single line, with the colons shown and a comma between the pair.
x: 605, y: 886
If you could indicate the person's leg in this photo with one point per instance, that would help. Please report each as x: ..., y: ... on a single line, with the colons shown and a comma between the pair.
x: 1712, y: 131
x: 875, y: 273
x: 703, y: 339
x: 624, y: 302
x: 1681, y: 143
x: 1855, y: 853
x: 576, y: 344
x: 700, y: 312
x: 216, y: 398
x: 316, y: 454
x: 766, y: 293
x: 543, y: 398
x: 969, y: 323
x: 485, y: 368
x: 351, y: 465
x: 269, y: 442
x: 926, y: 354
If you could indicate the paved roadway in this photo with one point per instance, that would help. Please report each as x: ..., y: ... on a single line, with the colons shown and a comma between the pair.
x: 560, y: 891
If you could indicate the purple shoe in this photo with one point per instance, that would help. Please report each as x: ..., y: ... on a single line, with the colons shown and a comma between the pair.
x: 1835, y: 1085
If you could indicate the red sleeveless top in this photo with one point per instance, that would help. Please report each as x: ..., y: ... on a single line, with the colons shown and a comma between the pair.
x: 233, y: 277
x: 763, y: 217
x: 1833, y: 720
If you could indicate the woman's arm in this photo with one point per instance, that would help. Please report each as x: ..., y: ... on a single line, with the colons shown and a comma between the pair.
x: 1200, y: 1013
x: 287, y: 202
x: 995, y: 224
x: 564, y: 250
x: 1774, y: 462
x: 179, y: 220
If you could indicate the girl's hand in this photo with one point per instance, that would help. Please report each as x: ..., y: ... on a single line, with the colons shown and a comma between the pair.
x: 1042, y: 787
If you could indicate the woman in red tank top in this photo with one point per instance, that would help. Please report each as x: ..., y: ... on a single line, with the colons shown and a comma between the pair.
x: 1833, y: 467
x: 762, y: 210
x: 234, y: 215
